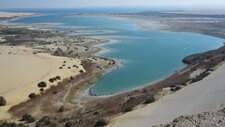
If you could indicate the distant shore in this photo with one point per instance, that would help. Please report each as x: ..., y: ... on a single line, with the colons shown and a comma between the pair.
x: 10, y: 15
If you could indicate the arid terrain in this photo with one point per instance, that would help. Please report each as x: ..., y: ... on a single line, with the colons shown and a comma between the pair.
x: 63, y: 102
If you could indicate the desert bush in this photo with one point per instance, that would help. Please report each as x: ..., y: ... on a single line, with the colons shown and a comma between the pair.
x: 44, y: 121
x: 32, y: 95
x: 175, y: 88
x: 68, y: 124
x: 149, y: 100
x: 42, y: 89
x: 101, y: 122
x: 61, y: 109
x: 58, y: 77
x: 2, y: 101
x: 51, y: 80
x: 27, y: 118
x: 71, y: 78
x: 55, y: 92
x: 6, y: 124
x: 127, y: 109
x: 75, y: 66
x: 42, y: 84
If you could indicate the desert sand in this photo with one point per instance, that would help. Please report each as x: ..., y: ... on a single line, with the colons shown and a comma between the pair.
x: 21, y: 71
x: 12, y: 14
x: 203, y: 96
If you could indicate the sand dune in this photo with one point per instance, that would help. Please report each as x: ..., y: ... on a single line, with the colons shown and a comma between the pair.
x: 21, y: 71
x: 203, y: 96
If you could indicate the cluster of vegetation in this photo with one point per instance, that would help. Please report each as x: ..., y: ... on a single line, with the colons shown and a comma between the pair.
x: 69, y: 124
x: 175, y: 88
x: 200, y: 77
x: 27, y: 118
x: 2, y: 101
x: 127, y: 109
x: 54, y: 79
x: 101, y: 122
x: 42, y: 85
x: 44, y: 121
x: 61, y: 109
x: 75, y: 66
x: 149, y: 99
x: 10, y: 124
x: 81, y: 71
x: 32, y: 95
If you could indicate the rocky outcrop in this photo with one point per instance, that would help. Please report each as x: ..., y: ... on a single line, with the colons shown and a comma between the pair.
x: 206, y: 119
x: 2, y: 101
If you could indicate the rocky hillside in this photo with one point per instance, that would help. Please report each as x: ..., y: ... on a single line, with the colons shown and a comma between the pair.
x: 206, y: 119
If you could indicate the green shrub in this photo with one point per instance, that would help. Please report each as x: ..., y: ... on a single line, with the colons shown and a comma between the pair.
x: 149, y: 100
x: 61, y: 109
x: 42, y: 89
x: 175, y: 88
x: 42, y: 84
x: 71, y: 78
x: 27, y: 118
x: 32, y: 95
x: 51, y: 80
x: 100, y: 123
x: 58, y: 77
x: 44, y: 121
x: 128, y: 109
x: 68, y: 124
x: 6, y: 124
x: 75, y: 66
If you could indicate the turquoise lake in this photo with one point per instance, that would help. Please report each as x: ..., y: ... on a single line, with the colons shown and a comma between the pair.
x: 146, y: 56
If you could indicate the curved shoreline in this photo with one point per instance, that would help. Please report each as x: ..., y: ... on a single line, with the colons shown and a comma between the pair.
x: 121, y: 101
x: 142, y: 86
x: 163, y: 78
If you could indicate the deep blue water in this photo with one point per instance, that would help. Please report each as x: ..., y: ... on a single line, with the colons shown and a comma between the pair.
x: 147, y: 56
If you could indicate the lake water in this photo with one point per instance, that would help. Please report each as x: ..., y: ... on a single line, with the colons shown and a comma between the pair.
x: 146, y: 56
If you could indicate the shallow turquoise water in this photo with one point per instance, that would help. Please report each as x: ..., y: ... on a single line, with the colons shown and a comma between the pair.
x: 146, y: 56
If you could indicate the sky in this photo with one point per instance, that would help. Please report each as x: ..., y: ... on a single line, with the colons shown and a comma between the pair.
x: 110, y: 3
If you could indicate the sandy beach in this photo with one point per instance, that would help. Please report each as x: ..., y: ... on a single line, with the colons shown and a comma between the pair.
x: 203, y: 96
x: 21, y: 71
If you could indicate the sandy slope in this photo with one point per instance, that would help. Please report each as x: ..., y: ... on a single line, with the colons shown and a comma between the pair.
x: 206, y: 95
x: 12, y: 14
x: 21, y: 71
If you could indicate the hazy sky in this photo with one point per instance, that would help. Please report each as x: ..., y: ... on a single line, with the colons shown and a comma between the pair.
x: 109, y: 3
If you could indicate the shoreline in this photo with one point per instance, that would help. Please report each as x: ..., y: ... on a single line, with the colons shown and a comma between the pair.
x: 122, y: 100
x: 180, y: 103
x: 159, y: 29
